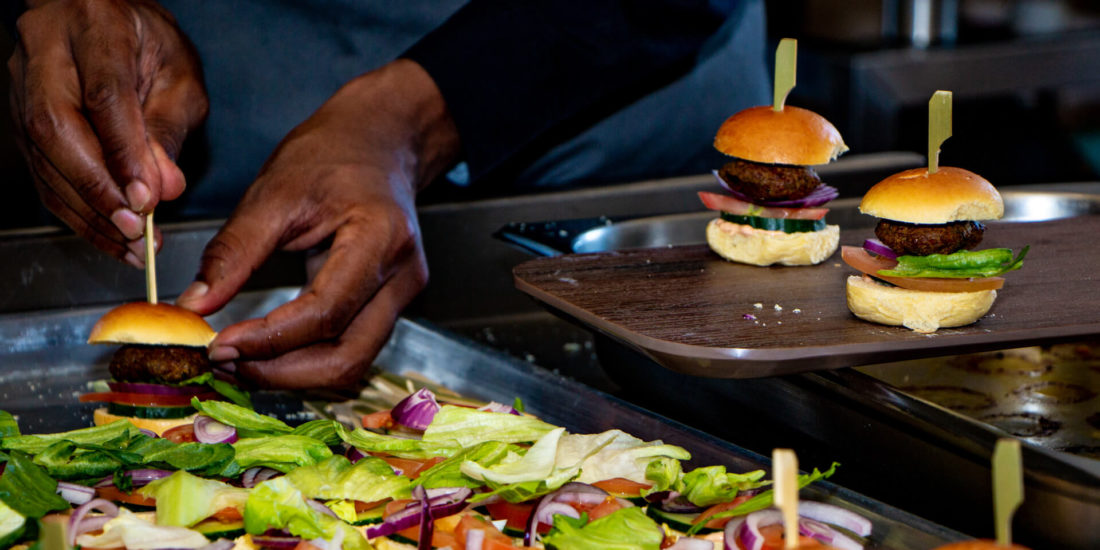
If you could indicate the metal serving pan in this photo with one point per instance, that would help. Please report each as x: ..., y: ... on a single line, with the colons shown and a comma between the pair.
x: 870, y: 422
x: 45, y: 364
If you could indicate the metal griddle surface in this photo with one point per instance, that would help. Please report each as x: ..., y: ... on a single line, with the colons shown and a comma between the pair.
x: 695, y: 313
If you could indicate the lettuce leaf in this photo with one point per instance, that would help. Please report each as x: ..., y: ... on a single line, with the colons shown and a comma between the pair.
x: 765, y: 499
x: 27, y: 489
x: 321, y: 430
x: 249, y: 423
x: 12, y: 525
x: 62, y: 460
x: 184, y: 499
x: 34, y: 444
x: 449, y: 472
x: 536, y: 464
x: 227, y: 390
x: 128, y: 530
x: 624, y: 529
x: 469, y: 427
x: 8, y: 426
x: 368, y: 441
x: 711, y: 484
x: 282, y: 452
x: 627, y: 457
x: 278, y: 504
x: 664, y: 474
x: 370, y: 479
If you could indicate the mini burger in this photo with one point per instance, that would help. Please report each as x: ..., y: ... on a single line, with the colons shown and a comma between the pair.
x: 771, y: 212
x: 161, y: 365
x: 922, y: 272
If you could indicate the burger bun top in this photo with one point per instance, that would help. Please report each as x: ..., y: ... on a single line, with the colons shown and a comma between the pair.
x: 793, y: 136
x: 152, y: 324
x: 948, y: 195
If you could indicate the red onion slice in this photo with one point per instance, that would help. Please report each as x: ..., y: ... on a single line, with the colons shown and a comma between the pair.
x: 257, y: 475
x: 876, y: 246
x: 748, y: 532
x: 155, y: 389
x: 546, y: 513
x: 275, y: 542
x: 572, y: 492
x: 77, y: 523
x: 427, y: 522
x: 820, y: 195
x: 444, y: 501
x: 417, y: 410
x: 140, y: 478
x: 75, y: 494
x: 220, y: 544
x: 835, y: 515
x: 321, y: 508
x: 493, y: 406
x: 731, y: 532
x: 208, y: 430
x: 688, y: 543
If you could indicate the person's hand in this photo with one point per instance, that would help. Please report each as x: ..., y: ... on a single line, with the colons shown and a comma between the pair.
x: 344, y: 182
x: 102, y: 95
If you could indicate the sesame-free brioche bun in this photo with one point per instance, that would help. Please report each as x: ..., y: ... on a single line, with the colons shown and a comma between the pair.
x: 792, y: 136
x: 749, y: 245
x: 156, y: 425
x: 152, y: 324
x: 919, y: 310
x: 949, y: 195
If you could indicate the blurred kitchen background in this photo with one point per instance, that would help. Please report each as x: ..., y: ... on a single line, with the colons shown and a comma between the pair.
x: 1025, y: 76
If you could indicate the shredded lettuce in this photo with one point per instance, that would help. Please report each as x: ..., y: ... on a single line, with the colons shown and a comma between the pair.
x: 184, y: 499
x: 27, y: 489
x: 281, y: 452
x: 370, y: 479
x: 249, y: 423
x: 624, y: 529
x: 278, y: 504
x: 371, y: 442
x: 469, y: 427
x: 711, y: 484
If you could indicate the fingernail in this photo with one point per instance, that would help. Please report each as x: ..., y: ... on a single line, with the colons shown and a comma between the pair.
x: 133, y: 260
x: 138, y: 195
x: 130, y: 224
x: 223, y: 353
x: 198, y: 289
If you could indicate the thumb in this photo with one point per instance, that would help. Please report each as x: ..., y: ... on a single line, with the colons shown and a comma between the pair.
x: 236, y: 251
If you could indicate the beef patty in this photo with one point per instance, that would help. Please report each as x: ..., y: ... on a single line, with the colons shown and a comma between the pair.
x: 158, y: 364
x: 770, y: 182
x: 921, y: 240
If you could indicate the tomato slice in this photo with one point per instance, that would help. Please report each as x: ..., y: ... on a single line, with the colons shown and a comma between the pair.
x: 862, y: 260
x: 720, y: 507
x: 622, y: 487
x: 379, y: 420
x: 773, y: 538
x: 180, y: 434
x: 605, y: 508
x: 113, y: 494
x: 726, y: 203
x: 228, y: 514
x: 494, y: 539
x: 516, y: 514
x: 412, y: 468
x: 145, y: 399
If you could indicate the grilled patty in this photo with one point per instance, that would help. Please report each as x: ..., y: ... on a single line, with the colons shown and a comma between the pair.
x: 921, y: 240
x: 170, y: 364
x: 770, y: 182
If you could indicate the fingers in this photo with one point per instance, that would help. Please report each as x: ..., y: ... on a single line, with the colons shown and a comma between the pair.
x: 356, y: 265
x: 238, y: 249
x: 341, y: 362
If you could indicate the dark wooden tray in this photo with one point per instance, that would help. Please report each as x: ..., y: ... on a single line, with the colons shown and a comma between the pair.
x: 695, y: 313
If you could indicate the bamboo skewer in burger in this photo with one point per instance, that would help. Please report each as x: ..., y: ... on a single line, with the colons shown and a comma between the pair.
x: 1008, y: 494
x: 772, y: 213
x: 162, y: 346
x: 920, y: 272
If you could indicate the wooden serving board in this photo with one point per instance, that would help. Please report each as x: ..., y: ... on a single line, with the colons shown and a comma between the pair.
x: 696, y: 313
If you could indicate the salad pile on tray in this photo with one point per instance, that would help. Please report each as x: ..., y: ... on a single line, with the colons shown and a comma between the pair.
x: 426, y: 473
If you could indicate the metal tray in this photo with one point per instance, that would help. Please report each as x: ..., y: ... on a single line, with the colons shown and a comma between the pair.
x: 44, y: 364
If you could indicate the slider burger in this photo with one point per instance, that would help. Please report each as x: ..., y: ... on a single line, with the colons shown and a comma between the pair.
x: 771, y: 214
x: 161, y: 365
x: 921, y: 272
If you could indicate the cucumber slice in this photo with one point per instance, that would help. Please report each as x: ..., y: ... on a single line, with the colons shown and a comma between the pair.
x: 136, y: 411
x: 370, y: 517
x: 785, y: 225
x: 214, y: 529
x: 679, y: 522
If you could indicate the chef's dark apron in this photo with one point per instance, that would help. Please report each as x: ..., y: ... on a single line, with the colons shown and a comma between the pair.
x: 269, y: 64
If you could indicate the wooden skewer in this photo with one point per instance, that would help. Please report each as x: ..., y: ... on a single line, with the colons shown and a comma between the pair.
x: 1008, y: 487
x: 785, y: 476
x: 786, y: 60
x: 150, y: 260
x: 939, y: 127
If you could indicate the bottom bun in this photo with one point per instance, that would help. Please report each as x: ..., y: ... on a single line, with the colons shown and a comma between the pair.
x: 919, y: 310
x: 745, y: 244
x: 155, y: 425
